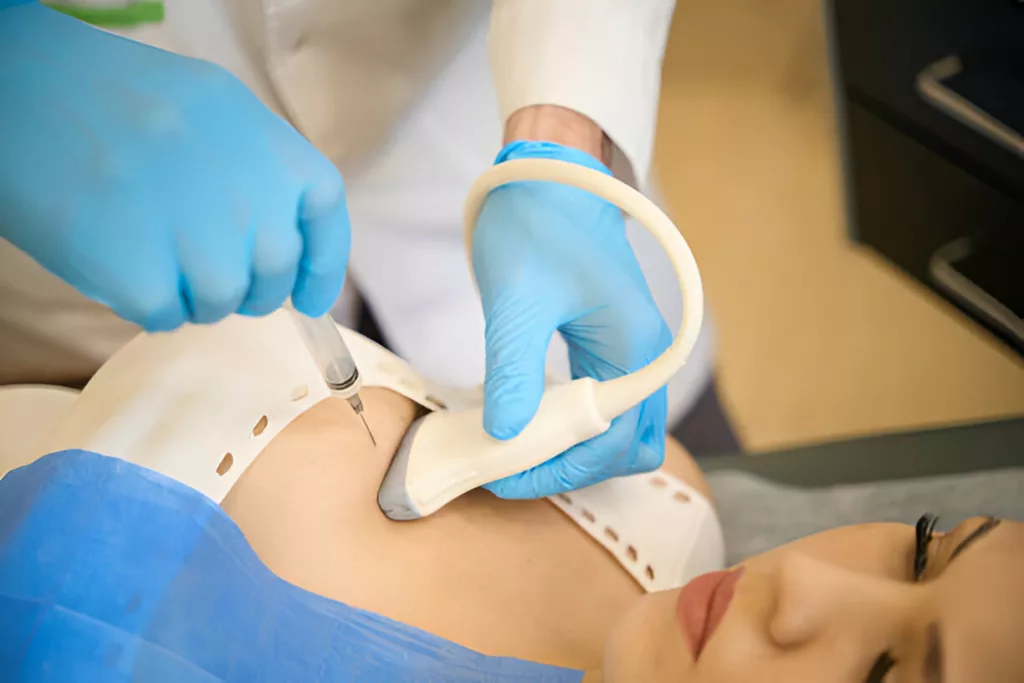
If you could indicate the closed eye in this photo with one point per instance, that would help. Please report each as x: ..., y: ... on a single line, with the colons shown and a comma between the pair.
x: 925, y: 536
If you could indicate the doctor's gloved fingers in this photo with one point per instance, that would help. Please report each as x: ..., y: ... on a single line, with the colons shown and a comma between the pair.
x: 327, y: 239
x: 216, y: 270
x: 277, y: 249
x: 562, y: 475
x: 619, y: 451
x: 516, y: 346
x: 145, y: 290
x: 159, y: 309
x: 212, y: 297
x: 625, y: 448
x: 653, y: 416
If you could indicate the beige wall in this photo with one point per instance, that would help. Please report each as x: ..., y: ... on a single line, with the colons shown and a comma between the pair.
x: 818, y: 338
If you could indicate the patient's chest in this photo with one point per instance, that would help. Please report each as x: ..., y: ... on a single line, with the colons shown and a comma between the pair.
x: 502, y: 577
x: 239, y: 412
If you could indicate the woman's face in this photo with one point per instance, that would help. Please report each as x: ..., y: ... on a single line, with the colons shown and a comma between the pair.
x: 844, y: 607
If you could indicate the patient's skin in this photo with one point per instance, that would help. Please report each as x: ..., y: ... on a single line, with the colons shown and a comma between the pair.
x: 511, y: 578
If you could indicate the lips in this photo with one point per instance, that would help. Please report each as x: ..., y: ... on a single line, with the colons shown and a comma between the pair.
x: 702, y: 605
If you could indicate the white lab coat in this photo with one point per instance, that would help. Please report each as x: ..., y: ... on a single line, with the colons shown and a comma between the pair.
x: 399, y: 95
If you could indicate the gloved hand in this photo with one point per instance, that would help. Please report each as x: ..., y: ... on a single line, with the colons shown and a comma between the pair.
x: 550, y: 257
x: 157, y: 184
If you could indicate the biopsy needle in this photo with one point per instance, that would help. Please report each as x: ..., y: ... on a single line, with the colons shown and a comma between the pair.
x: 332, y: 356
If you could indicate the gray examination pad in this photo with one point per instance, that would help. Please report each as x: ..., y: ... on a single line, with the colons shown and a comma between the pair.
x: 758, y: 514
x: 954, y: 472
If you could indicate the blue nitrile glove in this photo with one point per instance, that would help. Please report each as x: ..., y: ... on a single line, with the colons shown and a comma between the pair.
x: 157, y: 184
x: 550, y: 257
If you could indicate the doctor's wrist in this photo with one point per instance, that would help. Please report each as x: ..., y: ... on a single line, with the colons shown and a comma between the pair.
x: 532, y: 149
x: 551, y: 123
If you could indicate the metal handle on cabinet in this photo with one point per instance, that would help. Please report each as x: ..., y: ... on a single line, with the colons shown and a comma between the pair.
x: 984, y: 304
x: 932, y: 90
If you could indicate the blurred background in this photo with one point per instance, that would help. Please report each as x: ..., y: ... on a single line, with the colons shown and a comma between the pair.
x: 819, y: 338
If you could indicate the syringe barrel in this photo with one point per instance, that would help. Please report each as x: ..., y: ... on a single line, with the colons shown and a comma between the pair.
x: 330, y: 353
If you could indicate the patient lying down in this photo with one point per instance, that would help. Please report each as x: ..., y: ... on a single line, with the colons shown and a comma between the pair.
x: 520, y: 579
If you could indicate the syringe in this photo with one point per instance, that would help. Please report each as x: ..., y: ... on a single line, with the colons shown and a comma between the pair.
x: 332, y: 356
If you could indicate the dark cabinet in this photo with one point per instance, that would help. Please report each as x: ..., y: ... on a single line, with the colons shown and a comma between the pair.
x: 931, y: 103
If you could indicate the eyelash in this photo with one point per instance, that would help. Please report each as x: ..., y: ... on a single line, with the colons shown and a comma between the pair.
x: 924, y: 533
x: 882, y: 666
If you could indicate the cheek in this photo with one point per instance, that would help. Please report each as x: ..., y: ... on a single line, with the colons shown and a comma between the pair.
x: 647, y: 644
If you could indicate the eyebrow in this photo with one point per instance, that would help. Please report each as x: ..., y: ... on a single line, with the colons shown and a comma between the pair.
x: 989, y: 524
x: 933, y: 654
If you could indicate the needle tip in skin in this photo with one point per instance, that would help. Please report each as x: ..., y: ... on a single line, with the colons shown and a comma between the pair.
x: 372, y: 440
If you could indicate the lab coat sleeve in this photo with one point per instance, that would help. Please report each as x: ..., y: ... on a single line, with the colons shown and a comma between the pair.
x: 601, y: 58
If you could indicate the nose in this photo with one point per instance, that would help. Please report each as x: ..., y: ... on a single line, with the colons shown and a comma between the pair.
x: 817, y: 600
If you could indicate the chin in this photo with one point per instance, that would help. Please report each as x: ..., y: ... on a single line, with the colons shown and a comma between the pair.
x: 647, y: 644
